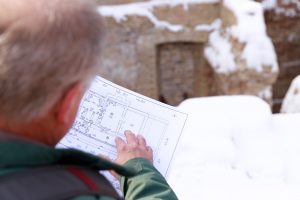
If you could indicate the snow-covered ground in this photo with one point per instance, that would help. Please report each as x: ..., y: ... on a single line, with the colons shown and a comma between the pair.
x: 233, y: 148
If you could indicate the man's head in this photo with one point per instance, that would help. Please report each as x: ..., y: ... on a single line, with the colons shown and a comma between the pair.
x: 49, y: 51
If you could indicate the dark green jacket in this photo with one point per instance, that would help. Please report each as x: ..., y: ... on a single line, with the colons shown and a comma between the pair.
x: 146, y: 183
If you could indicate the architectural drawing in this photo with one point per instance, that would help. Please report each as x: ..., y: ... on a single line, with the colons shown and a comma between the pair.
x: 108, y: 110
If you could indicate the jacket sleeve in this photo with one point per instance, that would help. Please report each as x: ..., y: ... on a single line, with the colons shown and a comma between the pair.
x: 147, y: 183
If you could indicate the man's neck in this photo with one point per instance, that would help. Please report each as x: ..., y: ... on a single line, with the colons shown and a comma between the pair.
x: 38, y: 130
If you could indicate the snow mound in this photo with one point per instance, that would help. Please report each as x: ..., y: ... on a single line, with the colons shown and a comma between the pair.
x: 291, y: 102
x: 233, y: 148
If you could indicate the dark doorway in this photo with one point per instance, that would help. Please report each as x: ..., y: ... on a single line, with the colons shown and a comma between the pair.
x: 180, y: 68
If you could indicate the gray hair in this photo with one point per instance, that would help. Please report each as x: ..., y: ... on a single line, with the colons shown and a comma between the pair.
x: 46, y: 46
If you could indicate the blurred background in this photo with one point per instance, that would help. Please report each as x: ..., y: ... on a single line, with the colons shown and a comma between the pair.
x: 173, y: 50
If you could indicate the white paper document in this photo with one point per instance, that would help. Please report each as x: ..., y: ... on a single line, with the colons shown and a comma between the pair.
x: 107, y: 110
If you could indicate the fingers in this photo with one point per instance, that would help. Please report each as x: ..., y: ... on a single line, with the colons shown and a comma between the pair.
x: 131, y: 138
x: 150, y: 153
x: 141, y: 140
x: 120, y: 144
x: 149, y: 149
x: 133, y: 147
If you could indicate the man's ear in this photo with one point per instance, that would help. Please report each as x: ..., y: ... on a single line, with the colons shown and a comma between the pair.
x: 69, y: 103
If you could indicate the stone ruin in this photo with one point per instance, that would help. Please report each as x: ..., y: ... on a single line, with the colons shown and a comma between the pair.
x: 173, y: 51
x: 283, y: 26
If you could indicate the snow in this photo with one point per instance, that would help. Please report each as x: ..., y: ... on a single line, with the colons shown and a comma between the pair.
x: 289, y: 8
x: 144, y: 9
x: 219, y: 54
x: 266, y: 93
x: 259, y: 50
x: 291, y: 102
x: 258, y: 53
x: 269, y: 4
x: 209, y: 27
x: 121, y: 12
x: 233, y: 148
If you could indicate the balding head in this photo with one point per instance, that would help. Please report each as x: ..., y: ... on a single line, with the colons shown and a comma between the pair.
x: 45, y: 47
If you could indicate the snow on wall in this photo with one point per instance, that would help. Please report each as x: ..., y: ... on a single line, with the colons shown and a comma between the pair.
x: 215, y: 25
x: 218, y: 53
x: 144, y: 9
x: 121, y: 12
x: 269, y: 4
x: 259, y: 50
x: 249, y: 30
x: 266, y: 93
x: 291, y: 102
x: 280, y: 9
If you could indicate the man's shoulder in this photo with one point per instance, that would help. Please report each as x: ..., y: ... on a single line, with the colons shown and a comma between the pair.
x: 30, y: 162
x: 56, y: 182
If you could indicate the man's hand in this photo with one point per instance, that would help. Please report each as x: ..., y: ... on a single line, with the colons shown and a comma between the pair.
x: 135, y: 147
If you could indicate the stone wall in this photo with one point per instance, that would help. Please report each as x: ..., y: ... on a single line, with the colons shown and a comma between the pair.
x: 283, y: 26
x: 139, y: 55
x: 161, y: 54
x: 285, y: 32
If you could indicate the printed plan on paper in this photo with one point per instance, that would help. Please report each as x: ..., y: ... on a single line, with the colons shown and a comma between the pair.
x: 107, y: 110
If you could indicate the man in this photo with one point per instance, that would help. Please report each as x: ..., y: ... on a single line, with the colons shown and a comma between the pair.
x: 49, y: 52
